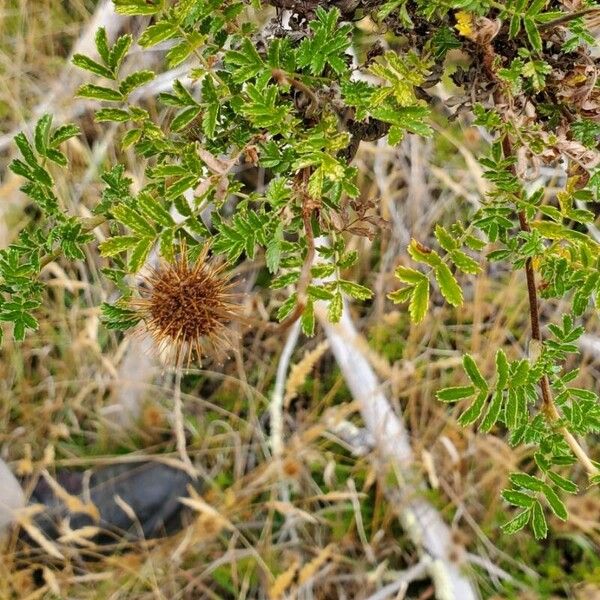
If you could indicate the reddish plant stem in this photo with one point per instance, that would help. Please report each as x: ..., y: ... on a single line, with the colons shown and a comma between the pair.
x: 549, y: 406
x: 564, y: 19
x: 308, y: 207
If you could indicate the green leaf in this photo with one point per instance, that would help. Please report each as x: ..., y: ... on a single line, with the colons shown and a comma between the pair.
x: 518, y: 498
x: 116, y: 115
x: 246, y: 61
x: 117, y: 244
x: 448, y: 285
x: 134, y: 81
x: 273, y: 253
x: 473, y: 373
x: 422, y: 254
x: 167, y: 244
x: 98, y: 92
x: 317, y: 292
x: 242, y: 235
x: 159, y: 32
x: 137, y: 7
x: 555, y: 503
x: 177, y: 54
x: 493, y: 412
x: 564, y: 484
x: 118, y: 52
x: 154, y: 210
x: 419, y: 301
x: 58, y: 157
x: 328, y: 44
x: 131, y: 137
x: 26, y: 150
x: 401, y: 295
x: 209, y: 119
x: 501, y: 369
x: 474, y: 411
x: 84, y: 62
x: 263, y: 109
x: 133, y: 220
x: 63, y: 133
x: 464, y: 262
x: 520, y: 373
x: 334, y: 312
x: 533, y: 35
x: 408, y: 275
x: 102, y: 43
x: 406, y: 118
x: 529, y: 482
x: 446, y: 241
x: 538, y: 522
x: 180, y: 186
x: 33, y: 170
x: 117, y: 317
x: 307, y: 321
x: 360, y: 292
x: 140, y: 253
x: 185, y: 117
x: 516, y: 408
x: 42, y: 134
x: 453, y: 394
x: 517, y: 523
x: 535, y: 7
x: 287, y: 307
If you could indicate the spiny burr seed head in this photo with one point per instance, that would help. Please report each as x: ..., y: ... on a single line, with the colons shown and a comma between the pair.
x: 187, y: 307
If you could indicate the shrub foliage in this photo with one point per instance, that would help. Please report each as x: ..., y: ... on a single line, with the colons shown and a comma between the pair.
x: 295, y: 90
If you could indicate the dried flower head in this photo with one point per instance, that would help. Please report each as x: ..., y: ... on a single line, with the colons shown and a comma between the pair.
x: 187, y: 308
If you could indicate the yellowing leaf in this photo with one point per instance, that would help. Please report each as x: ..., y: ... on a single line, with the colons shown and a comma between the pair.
x: 464, y: 23
x: 448, y: 285
x: 419, y: 301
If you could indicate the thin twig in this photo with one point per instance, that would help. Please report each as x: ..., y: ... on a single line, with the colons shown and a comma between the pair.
x: 276, y: 405
x: 276, y: 415
x: 403, y: 579
x: 282, y: 77
x: 178, y: 422
x: 549, y: 405
x: 308, y: 206
x: 566, y: 18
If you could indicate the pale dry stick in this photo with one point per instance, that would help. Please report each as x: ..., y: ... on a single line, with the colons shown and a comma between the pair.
x: 422, y: 522
x: 494, y: 570
x: 358, y: 520
x: 11, y: 496
x: 276, y: 415
x: 178, y: 421
x: 402, y: 581
x: 276, y: 404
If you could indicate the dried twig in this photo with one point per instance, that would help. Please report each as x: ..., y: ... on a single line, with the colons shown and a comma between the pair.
x: 276, y: 405
x: 402, y: 581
